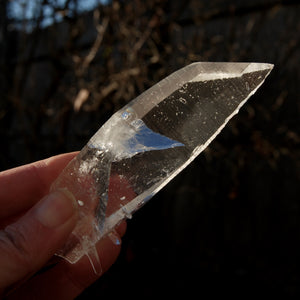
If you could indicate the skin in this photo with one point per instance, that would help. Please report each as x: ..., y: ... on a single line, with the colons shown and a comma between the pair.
x: 28, y: 269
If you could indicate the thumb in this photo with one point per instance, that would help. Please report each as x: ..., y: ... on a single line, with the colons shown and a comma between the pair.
x: 25, y: 246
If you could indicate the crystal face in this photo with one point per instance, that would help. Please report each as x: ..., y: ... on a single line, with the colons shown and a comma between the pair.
x: 148, y: 142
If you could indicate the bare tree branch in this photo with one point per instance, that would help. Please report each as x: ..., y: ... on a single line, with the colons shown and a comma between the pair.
x: 101, y: 28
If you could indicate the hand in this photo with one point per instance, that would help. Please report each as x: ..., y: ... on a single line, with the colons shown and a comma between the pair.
x: 33, y: 226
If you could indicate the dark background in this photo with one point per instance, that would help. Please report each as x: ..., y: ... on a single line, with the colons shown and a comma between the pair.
x: 229, y: 224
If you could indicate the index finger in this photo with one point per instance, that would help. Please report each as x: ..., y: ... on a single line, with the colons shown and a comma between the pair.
x: 22, y: 187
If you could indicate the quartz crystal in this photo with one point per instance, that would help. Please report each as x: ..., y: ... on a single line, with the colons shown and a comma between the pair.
x: 148, y: 142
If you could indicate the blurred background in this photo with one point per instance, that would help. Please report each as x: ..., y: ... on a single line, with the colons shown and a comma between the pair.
x: 229, y: 224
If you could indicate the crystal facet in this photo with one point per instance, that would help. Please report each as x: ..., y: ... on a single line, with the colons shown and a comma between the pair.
x: 148, y: 142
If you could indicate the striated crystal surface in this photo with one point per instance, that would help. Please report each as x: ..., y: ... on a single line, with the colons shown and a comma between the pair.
x: 148, y: 142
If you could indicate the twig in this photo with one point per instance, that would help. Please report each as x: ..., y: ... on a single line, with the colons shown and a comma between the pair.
x: 101, y: 28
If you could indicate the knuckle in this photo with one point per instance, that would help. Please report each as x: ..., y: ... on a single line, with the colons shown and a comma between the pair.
x: 14, y: 243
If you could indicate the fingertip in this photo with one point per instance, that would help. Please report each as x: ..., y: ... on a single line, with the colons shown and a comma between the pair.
x: 56, y: 209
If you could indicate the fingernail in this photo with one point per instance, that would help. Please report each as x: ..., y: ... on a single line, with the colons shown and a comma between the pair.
x: 56, y: 208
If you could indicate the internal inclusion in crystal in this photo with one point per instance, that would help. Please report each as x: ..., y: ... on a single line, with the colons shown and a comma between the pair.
x: 148, y: 142
x: 124, y: 140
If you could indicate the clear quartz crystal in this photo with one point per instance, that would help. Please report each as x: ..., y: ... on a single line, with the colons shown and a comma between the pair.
x: 148, y: 142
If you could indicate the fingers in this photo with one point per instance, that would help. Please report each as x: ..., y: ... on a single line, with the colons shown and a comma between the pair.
x: 25, y: 246
x: 66, y: 281
x: 31, y: 240
x: 22, y: 187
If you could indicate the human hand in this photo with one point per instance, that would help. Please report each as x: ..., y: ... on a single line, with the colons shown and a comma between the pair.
x: 33, y: 226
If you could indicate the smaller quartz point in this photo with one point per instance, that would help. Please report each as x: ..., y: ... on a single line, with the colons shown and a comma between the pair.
x: 147, y: 143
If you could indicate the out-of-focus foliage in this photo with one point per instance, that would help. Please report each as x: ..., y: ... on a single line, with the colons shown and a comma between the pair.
x: 30, y: 14
x: 231, y: 221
